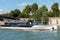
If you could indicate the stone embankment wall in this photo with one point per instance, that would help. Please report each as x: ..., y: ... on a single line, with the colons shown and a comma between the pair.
x: 54, y: 20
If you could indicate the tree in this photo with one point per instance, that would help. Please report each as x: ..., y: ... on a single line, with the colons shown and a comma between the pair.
x: 50, y: 14
x: 34, y: 7
x: 55, y: 9
x: 27, y: 9
x: 45, y: 20
x: 17, y: 12
x: 44, y: 10
x: 14, y: 13
x: 40, y: 14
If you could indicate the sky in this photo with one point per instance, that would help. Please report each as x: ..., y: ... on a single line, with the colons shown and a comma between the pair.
x: 8, y: 5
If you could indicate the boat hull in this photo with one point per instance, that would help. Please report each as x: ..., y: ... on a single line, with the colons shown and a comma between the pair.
x: 28, y: 28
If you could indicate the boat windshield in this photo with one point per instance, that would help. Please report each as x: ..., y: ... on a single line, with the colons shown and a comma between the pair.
x: 37, y: 23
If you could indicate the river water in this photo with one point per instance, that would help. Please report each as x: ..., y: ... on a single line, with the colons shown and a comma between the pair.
x: 29, y: 35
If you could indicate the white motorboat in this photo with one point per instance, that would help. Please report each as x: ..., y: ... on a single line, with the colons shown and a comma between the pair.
x: 34, y: 27
x: 45, y: 27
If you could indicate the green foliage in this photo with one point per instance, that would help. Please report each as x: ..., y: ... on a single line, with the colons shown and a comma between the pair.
x: 43, y: 8
x: 36, y: 17
x: 44, y: 19
x: 50, y: 14
x: 38, y: 14
x: 23, y: 15
x: 43, y: 11
x: 12, y: 13
x: 6, y: 14
x: 27, y: 9
x: 41, y: 14
x: 55, y: 9
x: 59, y: 13
x: 34, y: 7
x: 25, y: 12
x: 15, y: 13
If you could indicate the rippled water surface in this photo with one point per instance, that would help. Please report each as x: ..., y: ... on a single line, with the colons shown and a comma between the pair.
x: 29, y: 35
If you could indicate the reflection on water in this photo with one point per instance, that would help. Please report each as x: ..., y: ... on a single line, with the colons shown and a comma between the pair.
x: 29, y: 35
